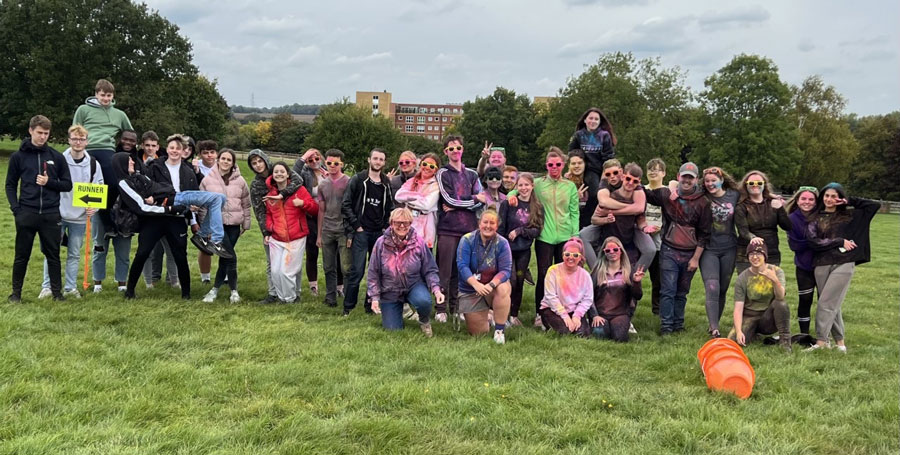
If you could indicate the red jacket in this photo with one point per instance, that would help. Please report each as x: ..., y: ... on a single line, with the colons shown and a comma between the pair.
x: 286, y: 221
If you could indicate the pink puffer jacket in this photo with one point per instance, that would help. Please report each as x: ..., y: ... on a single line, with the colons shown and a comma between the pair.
x: 237, y: 196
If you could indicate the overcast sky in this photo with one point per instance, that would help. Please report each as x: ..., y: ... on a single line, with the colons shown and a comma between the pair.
x: 436, y: 51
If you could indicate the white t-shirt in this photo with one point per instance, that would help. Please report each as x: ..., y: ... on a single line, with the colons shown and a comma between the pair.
x: 175, y: 173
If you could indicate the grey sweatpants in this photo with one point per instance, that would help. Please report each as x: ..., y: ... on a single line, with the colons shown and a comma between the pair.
x: 269, y: 281
x: 644, y: 243
x: 833, y: 281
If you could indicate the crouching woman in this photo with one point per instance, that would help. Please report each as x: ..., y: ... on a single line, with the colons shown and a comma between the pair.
x: 402, y: 269
x: 616, y: 293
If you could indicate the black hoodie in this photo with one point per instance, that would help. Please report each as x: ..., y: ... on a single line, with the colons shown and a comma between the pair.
x: 24, y: 167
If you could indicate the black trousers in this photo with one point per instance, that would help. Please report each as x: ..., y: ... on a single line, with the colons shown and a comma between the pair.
x: 154, y: 228
x: 228, y: 267
x: 547, y: 255
x: 47, y: 227
x: 520, y: 260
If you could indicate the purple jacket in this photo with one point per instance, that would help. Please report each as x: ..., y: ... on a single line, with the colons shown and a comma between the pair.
x: 395, y: 268
x: 458, y: 190
x: 803, y: 254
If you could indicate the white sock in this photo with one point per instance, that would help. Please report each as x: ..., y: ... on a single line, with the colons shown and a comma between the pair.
x: 204, y: 276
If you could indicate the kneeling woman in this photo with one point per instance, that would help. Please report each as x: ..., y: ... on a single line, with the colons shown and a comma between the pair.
x: 568, y: 293
x: 616, y: 293
x: 286, y: 220
x: 402, y: 269
x: 485, y: 264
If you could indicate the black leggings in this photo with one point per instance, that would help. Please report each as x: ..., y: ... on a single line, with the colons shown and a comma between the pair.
x: 228, y: 267
x: 154, y: 228
x: 547, y: 255
x: 806, y: 287
x: 520, y: 260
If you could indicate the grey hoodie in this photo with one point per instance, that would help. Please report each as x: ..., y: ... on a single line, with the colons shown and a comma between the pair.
x: 80, y: 172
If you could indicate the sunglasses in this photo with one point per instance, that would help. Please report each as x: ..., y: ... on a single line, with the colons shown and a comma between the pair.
x: 630, y: 179
x: 611, y: 250
x: 430, y: 165
x: 312, y: 159
x: 492, y: 179
x: 333, y: 163
x: 610, y: 174
x: 808, y: 188
x: 755, y: 183
x: 401, y: 223
x: 570, y: 254
x: 552, y: 165
x: 406, y: 162
x: 458, y: 148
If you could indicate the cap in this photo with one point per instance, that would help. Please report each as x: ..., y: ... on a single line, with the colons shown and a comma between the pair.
x: 689, y: 169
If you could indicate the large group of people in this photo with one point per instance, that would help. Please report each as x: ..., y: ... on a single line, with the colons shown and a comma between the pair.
x: 463, y: 236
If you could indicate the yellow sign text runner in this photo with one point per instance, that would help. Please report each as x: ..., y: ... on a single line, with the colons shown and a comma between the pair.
x: 89, y: 195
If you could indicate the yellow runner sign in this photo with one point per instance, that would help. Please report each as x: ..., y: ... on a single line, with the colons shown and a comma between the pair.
x: 89, y: 195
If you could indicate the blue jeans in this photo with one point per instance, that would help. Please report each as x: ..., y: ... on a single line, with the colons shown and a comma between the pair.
x: 676, y: 283
x: 121, y: 246
x: 392, y: 312
x: 75, y: 232
x: 211, y: 226
x: 363, y: 242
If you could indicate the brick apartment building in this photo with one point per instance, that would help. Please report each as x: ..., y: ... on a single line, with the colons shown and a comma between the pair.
x: 415, y: 119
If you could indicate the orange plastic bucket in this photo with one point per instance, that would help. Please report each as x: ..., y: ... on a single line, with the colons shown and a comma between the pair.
x: 726, y: 367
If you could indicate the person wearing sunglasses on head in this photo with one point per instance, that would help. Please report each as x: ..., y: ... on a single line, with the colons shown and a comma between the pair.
x: 407, y: 170
x: 839, y: 235
x: 420, y: 194
x: 685, y: 235
x: 587, y: 202
x: 493, y: 179
x: 717, y: 261
x: 459, y: 202
x: 331, y: 238
x: 568, y: 293
x: 559, y: 197
x: 312, y: 170
x: 617, y: 290
x: 757, y: 217
x: 521, y: 225
x: 801, y: 210
x: 402, y: 269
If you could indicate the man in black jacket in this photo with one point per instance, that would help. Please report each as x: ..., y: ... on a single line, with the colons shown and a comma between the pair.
x: 366, y: 208
x: 41, y: 173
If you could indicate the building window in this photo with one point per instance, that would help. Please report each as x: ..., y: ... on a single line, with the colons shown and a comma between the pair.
x: 455, y: 110
x: 430, y: 119
x: 409, y: 119
x: 374, y: 110
x: 421, y: 119
x: 443, y: 128
x: 399, y: 118
x: 420, y: 129
x: 444, y: 119
x: 375, y: 98
x: 409, y: 128
x: 423, y: 110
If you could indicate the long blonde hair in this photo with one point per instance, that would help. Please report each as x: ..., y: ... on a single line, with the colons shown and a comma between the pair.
x: 603, y: 264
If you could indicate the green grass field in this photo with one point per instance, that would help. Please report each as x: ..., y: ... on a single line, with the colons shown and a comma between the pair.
x: 157, y: 375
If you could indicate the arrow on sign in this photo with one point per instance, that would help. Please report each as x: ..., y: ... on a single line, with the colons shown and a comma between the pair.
x: 87, y: 199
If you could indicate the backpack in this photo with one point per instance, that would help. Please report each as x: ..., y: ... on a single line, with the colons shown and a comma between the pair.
x: 125, y: 221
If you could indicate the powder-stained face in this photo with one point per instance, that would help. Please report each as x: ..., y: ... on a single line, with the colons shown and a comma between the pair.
x: 554, y: 166
x: 429, y: 168
x: 488, y: 225
x: 401, y: 227
x: 572, y: 257
x: 497, y: 159
x: 509, y: 179
x: 407, y: 163
x: 806, y: 201
x: 612, y: 251
x: 687, y: 182
x: 712, y: 182
x: 630, y: 182
x: 755, y: 184
x: 613, y: 175
x: 454, y: 151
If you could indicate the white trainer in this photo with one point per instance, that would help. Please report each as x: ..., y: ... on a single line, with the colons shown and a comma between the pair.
x: 235, y: 297
x: 210, y: 296
x: 499, y: 337
x: 46, y: 293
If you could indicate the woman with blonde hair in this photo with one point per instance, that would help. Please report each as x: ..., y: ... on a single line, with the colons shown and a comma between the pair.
x: 616, y: 293
x: 420, y: 194
x: 757, y: 217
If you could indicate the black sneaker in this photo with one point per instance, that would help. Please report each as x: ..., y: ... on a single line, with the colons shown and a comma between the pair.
x: 527, y: 277
x: 345, y: 313
x: 14, y: 298
x: 270, y: 299
x: 59, y: 297
x: 202, y: 244
x: 220, y: 250
x: 331, y: 304
x: 129, y: 294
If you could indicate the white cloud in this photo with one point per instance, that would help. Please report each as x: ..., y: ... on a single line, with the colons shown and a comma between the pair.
x: 363, y: 58
x: 272, y: 25
x: 742, y: 16
x: 304, y: 54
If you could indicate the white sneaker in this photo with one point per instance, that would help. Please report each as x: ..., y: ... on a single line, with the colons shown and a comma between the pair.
x: 499, y: 337
x: 631, y: 329
x: 46, y: 293
x: 210, y: 296
x: 122, y: 288
x: 538, y: 323
x: 441, y: 317
x: 149, y: 285
x: 514, y: 321
x: 814, y: 347
x: 98, y: 288
x: 235, y: 297
x: 72, y: 293
x: 841, y: 349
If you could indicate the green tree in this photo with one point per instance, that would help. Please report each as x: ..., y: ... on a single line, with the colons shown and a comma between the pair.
x: 354, y: 131
x: 421, y: 145
x: 505, y: 119
x: 874, y: 174
x: 291, y: 140
x: 142, y: 53
x: 748, y: 121
x: 824, y: 136
x: 647, y: 104
x: 263, y: 133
